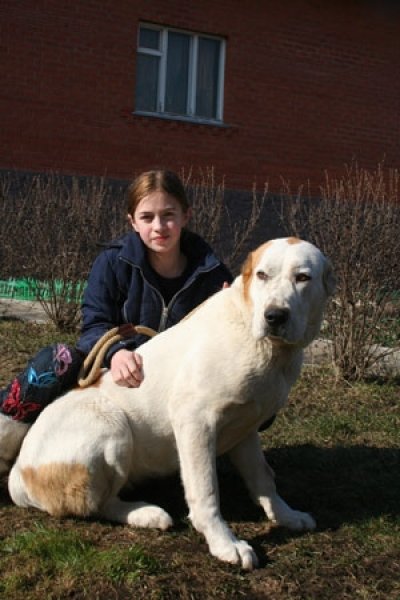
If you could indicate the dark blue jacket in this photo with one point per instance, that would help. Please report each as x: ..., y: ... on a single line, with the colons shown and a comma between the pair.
x: 122, y: 288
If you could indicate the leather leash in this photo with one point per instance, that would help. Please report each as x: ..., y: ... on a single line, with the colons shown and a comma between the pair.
x: 94, y: 359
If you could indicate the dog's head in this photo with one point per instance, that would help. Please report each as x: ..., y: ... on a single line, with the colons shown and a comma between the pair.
x: 287, y: 283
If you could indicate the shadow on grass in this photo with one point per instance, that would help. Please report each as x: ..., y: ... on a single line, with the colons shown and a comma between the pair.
x: 339, y: 485
x: 343, y: 484
x: 336, y: 485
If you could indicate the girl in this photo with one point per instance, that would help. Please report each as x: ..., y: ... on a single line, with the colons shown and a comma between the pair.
x: 154, y: 276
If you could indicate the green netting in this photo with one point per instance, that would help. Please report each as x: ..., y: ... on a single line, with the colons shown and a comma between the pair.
x: 30, y: 289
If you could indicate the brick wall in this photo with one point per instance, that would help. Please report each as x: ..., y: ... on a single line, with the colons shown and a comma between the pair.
x: 309, y: 85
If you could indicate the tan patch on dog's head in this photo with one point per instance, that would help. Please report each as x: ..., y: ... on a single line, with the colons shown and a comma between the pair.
x: 61, y: 489
x: 293, y: 240
x: 248, y: 268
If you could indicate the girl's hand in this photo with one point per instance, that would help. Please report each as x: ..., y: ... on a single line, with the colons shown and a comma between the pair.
x: 127, y: 368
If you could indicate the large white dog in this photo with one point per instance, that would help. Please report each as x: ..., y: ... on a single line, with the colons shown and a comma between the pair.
x: 210, y: 382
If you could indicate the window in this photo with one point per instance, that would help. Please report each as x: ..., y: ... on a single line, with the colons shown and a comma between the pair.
x: 179, y: 74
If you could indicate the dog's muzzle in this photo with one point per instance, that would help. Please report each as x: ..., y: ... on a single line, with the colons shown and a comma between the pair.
x: 276, y: 319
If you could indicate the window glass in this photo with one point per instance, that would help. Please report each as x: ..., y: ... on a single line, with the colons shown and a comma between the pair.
x: 149, y: 38
x: 147, y: 68
x: 176, y: 88
x: 207, y: 78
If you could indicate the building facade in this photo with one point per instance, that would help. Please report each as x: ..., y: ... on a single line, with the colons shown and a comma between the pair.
x: 257, y: 90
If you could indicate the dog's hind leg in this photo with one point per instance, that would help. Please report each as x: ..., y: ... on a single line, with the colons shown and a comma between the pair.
x: 249, y: 459
x: 136, y: 514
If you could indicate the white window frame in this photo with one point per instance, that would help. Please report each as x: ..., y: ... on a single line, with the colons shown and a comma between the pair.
x: 162, y: 53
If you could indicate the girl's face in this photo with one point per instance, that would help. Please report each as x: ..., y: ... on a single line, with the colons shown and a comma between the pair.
x: 158, y: 219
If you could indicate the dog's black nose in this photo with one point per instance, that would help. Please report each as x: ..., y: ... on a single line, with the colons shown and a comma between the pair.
x: 276, y: 317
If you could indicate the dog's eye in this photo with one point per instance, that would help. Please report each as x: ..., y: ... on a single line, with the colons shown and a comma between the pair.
x: 262, y: 276
x: 301, y: 277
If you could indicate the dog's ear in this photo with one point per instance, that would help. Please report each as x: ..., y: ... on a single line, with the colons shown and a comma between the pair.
x: 329, y: 278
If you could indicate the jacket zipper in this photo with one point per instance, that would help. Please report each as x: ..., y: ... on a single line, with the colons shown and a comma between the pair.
x: 165, y: 309
x: 164, y: 318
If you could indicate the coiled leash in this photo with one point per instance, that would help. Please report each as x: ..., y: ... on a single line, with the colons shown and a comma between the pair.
x: 95, y: 358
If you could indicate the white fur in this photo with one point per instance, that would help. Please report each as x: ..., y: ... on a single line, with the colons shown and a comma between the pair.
x: 210, y: 382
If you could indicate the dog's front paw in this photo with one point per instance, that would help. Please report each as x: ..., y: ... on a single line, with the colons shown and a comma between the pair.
x: 237, y: 552
x: 296, y: 521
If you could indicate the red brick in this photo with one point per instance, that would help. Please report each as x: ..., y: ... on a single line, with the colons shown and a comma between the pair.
x: 309, y: 85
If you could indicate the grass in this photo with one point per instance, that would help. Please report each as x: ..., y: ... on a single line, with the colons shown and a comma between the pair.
x: 336, y: 453
x: 69, y: 556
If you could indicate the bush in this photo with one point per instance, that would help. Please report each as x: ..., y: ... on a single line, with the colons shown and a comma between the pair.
x: 227, y: 232
x: 356, y: 223
x: 51, y: 226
